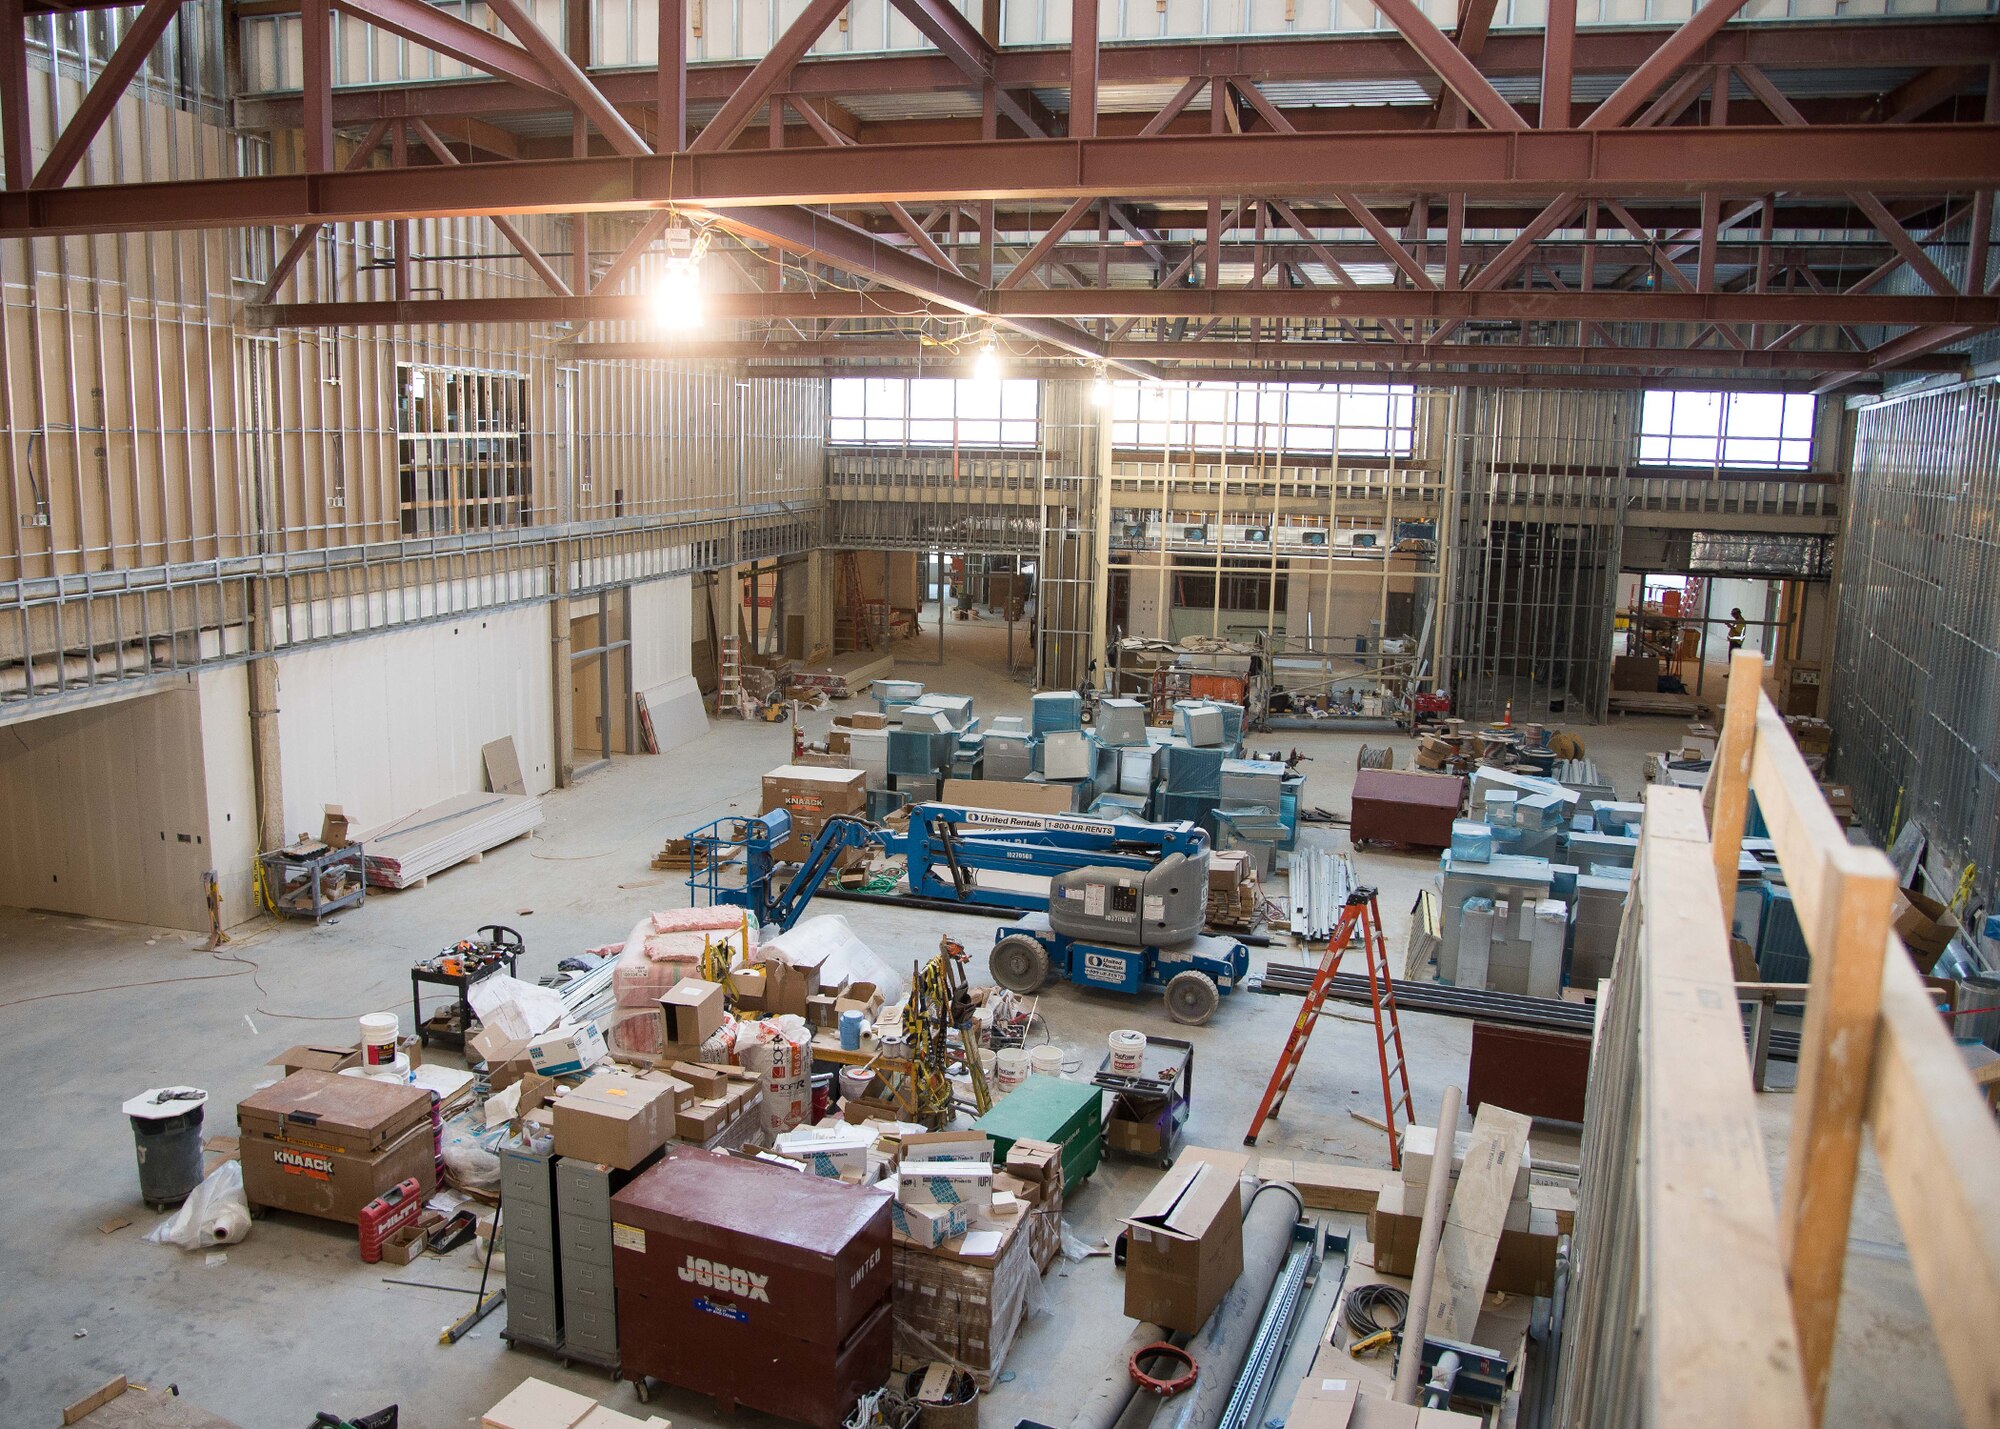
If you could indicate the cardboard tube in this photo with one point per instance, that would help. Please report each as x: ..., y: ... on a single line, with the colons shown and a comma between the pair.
x: 1410, y: 1362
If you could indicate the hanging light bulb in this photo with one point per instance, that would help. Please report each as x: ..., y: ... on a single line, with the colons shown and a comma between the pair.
x: 677, y: 296
x: 677, y: 303
x: 1100, y: 389
x: 986, y: 366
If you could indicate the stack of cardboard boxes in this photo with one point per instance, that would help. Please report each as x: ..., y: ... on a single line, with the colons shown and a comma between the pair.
x: 967, y: 1243
x: 1184, y: 1245
x: 1235, y: 893
x: 1526, y: 1261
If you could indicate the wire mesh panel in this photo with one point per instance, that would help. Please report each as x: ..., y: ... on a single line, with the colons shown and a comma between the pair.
x: 1917, y: 644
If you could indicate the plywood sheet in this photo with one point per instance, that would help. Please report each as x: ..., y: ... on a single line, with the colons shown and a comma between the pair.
x: 678, y: 715
x: 1473, y: 1225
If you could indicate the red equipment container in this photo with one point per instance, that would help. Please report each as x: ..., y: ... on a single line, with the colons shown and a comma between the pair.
x: 388, y: 1213
x: 753, y: 1284
x: 1400, y: 806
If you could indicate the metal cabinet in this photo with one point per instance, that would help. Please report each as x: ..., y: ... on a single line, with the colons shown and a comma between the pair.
x: 534, y: 1279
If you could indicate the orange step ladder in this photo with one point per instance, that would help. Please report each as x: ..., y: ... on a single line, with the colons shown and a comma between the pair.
x: 1360, y: 915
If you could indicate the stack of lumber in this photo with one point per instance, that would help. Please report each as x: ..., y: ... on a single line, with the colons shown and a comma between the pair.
x: 679, y: 853
x: 405, y: 853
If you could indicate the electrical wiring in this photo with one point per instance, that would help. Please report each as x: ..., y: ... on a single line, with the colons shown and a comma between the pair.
x: 1364, y: 1306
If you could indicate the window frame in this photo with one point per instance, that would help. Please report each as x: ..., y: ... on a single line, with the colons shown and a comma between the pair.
x: 464, y: 450
x: 1239, y: 417
x: 908, y: 412
x: 1674, y: 424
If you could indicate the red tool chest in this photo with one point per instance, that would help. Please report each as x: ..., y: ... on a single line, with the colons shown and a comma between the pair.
x: 754, y: 1284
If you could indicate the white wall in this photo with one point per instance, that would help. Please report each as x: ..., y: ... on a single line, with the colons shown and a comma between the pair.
x: 231, y: 782
x: 386, y: 725
x: 662, y: 631
x: 103, y: 812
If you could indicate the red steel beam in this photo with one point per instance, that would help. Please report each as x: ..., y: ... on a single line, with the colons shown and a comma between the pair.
x: 1932, y: 160
x: 1282, y: 354
x: 970, y: 52
x: 1075, y: 303
x: 1833, y: 45
x: 302, y: 241
x: 670, y: 102
x: 316, y: 70
x: 763, y: 80
x: 440, y: 30
x: 1681, y: 46
x: 1558, y: 64
x: 17, y: 162
x: 1083, y: 62
x: 1451, y: 65
x: 515, y: 238
x: 574, y: 83
x: 102, y: 97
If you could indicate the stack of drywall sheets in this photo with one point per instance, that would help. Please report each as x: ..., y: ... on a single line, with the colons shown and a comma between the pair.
x: 1504, y: 878
x: 411, y: 849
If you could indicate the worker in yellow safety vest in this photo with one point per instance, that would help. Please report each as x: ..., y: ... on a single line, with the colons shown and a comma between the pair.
x: 1737, y: 625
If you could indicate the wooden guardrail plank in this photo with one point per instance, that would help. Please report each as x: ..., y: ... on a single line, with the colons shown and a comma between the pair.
x: 1940, y: 1155
x: 1722, y: 1345
x: 1842, y: 895
x: 1726, y: 794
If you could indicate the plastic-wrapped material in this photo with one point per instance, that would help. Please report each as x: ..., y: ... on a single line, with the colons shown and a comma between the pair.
x: 1471, y: 841
x: 961, y: 1311
x: 665, y: 947
x: 829, y: 942
x: 471, y: 1153
x: 215, y: 1213
x: 779, y: 1049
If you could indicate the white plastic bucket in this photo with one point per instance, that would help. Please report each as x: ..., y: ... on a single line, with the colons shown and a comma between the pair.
x: 1010, y: 1068
x: 1046, y: 1061
x: 987, y: 1062
x: 378, y: 1039
x: 1128, y: 1052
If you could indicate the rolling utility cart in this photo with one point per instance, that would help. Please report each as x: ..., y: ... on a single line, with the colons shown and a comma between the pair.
x: 311, y: 879
x: 1149, y: 1108
x: 460, y: 966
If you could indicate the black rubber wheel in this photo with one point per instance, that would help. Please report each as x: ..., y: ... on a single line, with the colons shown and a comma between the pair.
x: 644, y: 1390
x: 1019, y: 963
x: 1192, y: 997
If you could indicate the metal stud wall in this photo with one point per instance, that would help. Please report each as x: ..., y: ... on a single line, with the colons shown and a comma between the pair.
x: 1916, y: 682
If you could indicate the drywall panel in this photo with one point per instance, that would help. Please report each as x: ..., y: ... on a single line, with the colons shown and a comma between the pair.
x: 662, y: 631
x: 386, y: 725
x: 103, y: 812
x: 230, y: 778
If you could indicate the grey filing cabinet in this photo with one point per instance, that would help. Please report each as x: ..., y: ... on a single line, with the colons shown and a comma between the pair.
x: 583, y: 1231
x: 534, y: 1280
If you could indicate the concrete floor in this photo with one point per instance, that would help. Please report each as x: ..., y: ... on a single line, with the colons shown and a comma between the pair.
x: 291, y: 1322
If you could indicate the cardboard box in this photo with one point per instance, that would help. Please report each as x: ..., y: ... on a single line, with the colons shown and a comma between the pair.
x: 618, y: 1120
x: 1525, y: 1263
x: 699, y: 1119
x: 404, y: 1245
x: 1324, y: 1403
x: 316, y: 1057
x: 333, y: 826
x: 1186, y: 1241
x: 690, y: 1013
x: 821, y: 1012
x: 927, y: 1225
x: 973, y: 1146
x: 811, y: 795
x: 326, y: 1145
x: 702, y: 1079
x: 750, y: 984
x: 1035, y: 1161
x: 563, y: 1050
x: 1923, y: 923
x: 788, y: 987
x: 945, y: 1183
x: 862, y: 997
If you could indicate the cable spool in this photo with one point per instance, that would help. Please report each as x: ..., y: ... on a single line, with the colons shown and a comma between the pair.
x: 1166, y: 1386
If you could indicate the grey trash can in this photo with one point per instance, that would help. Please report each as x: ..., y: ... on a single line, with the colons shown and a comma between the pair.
x: 166, y: 1129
